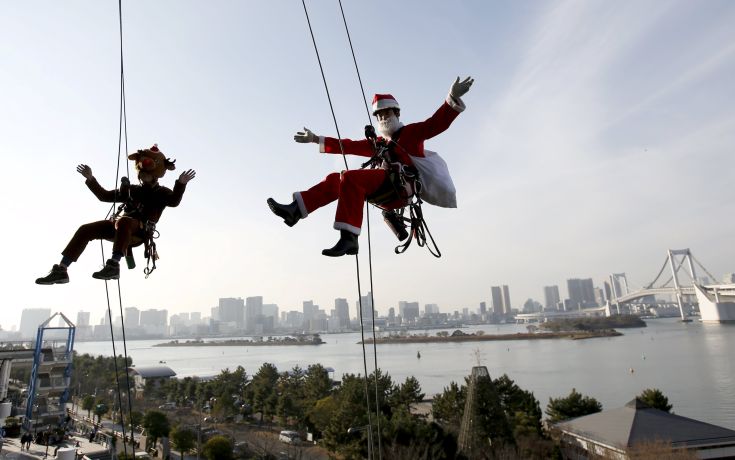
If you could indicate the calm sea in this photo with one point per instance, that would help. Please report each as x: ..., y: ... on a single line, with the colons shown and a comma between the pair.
x: 693, y: 364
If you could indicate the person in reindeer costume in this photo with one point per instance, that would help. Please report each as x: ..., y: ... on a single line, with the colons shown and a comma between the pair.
x: 351, y: 188
x: 142, y: 204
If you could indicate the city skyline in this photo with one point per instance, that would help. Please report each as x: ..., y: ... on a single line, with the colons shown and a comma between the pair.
x: 597, y: 135
x: 580, y: 293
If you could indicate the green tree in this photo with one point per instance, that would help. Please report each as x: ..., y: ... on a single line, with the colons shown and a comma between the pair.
x: 317, y: 383
x: 136, y: 418
x: 184, y: 439
x: 88, y: 404
x: 447, y: 408
x: 321, y: 413
x: 520, y: 406
x: 218, y: 448
x: 263, y: 390
x: 653, y: 397
x: 407, y: 393
x: 156, y: 425
x: 489, y: 418
x: 100, y: 410
x: 574, y: 405
x: 286, y: 408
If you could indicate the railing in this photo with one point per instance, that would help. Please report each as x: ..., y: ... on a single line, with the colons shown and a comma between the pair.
x: 53, y: 382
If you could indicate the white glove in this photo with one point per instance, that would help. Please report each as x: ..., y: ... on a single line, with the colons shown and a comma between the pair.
x: 460, y: 88
x: 306, y: 136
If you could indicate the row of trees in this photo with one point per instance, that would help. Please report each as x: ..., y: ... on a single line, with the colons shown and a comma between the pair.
x: 507, y: 421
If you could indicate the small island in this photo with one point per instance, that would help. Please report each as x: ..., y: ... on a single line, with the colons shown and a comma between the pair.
x: 567, y: 328
x: 593, y: 323
x: 301, y: 339
x: 480, y: 336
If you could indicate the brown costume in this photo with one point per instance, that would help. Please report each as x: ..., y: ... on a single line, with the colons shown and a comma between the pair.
x: 146, y: 203
x: 141, y: 207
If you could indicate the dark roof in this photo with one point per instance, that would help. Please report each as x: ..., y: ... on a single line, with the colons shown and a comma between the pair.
x: 148, y: 372
x: 637, y: 422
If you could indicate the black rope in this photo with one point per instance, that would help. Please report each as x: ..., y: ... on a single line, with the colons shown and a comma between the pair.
x: 123, y: 131
x: 357, y: 261
x: 326, y: 87
x: 114, y: 355
x: 354, y: 59
x: 370, y: 248
x: 419, y: 230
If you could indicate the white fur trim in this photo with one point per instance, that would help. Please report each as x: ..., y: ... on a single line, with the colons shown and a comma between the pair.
x: 322, y: 148
x: 456, y: 103
x: 348, y: 227
x: 383, y: 104
x: 300, y: 202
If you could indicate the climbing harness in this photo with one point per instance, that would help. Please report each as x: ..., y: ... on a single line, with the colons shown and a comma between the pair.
x: 403, y: 183
x: 148, y: 235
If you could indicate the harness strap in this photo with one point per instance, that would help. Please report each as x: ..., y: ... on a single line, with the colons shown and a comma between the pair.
x: 150, y: 252
x: 419, y: 230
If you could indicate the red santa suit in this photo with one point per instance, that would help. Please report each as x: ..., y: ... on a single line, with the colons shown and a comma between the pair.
x: 352, y: 187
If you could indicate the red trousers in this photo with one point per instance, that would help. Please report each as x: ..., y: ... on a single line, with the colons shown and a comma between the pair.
x: 122, y: 233
x: 350, y: 189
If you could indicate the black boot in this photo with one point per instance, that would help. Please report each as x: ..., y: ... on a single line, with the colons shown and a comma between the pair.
x: 57, y: 275
x: 111, y: 271
x: 347, y: 244
x: 290, y: 213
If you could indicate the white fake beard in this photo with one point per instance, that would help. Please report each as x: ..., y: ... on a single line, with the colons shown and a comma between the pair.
x: 387, y: 127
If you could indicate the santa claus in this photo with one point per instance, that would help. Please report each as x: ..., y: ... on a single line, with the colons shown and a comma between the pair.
x: 405, y: 145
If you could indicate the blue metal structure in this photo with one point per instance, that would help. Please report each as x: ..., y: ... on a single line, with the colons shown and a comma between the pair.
x: 48, y: 360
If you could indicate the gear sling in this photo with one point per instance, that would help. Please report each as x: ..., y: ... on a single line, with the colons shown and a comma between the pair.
x: 146, y: 234
x: 402, y: 184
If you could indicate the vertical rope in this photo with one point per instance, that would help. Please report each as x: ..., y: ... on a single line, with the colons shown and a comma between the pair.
x: 124, y: 133
x: 357, y: 261
x: 370, y: 249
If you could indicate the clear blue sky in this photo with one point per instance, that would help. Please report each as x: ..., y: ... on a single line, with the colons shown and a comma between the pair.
x: 597, y: 135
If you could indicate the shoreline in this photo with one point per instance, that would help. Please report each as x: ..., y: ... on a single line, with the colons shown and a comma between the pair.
x: 572, y: 335
x: 243, y: 343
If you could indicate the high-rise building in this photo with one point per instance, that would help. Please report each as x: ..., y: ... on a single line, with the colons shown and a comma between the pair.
x: 253, y: 313
x: 154, y: 322
x: 342, y: 312
x: 195, y: 317
x: 82, y: 318
x: 551, y: 297
x: 270, y: 310
x: 30, y: 319
x: 496, y: 297
x: 506, y: 300
x: 431, y: 309
x: 728, y: 278
x: 232, y: 310
x: 409, y: 311
x: 483, y: 309
x: 153, y: 317
x: 581, y: 293
x: 309, y: 311
x: 366, y: 301
x: 132, y: 317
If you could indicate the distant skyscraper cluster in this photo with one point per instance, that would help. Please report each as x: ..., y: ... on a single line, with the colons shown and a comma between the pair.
x: 234, y: 316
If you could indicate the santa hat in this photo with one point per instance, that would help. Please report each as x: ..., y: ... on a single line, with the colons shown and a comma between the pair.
x: 384, y: 101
